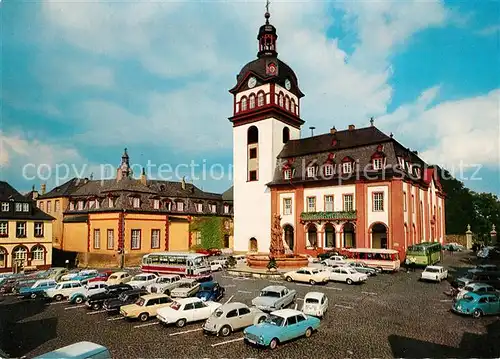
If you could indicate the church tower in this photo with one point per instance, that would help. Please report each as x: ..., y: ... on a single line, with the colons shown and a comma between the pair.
x: 266, y: 114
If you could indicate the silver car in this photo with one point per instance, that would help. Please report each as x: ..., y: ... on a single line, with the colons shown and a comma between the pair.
x: 232, y: 316
x: 274, y: 297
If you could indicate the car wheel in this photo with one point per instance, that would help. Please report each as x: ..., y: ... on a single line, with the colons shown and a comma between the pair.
x: 33, y: 296
x: 349, y: 281
x: 79, y: 300
x: 58, y: 297
x: 273, y: 343
x: 308, y: 332
x: 143, y: 317
x: 225, y: 331
x: 312, y: 282
x: 477, y: 313
x: 289, y: 279
x: 96, y: 306
x: 180, y: 323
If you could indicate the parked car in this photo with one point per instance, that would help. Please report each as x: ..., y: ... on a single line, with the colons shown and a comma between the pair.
x: 327, y: 254
x: 217, y: 265
x: 119, y: 278
x: 477, y: 305
x: 210, y: 251
x: 141, y: 281
x: 489, y: 252
x: 347, y: 275
x: 56, y: 273
x: 187, y: 287
x: 486, y: 268
x: 87, y: 350
x: 82, y: 275
x: 112, y: 305
x: 478, y: 288
x: 454, y: 247
x: 232, y: 316
x: 307, y: 275
x: 240, y: 259
x: 434, y: 273
x: 315, y: 304
x: 101, y: 276
x: 210, y: 291
x: 164, y: 284
x: 86, y: 291
x: 9, y: 283
x: 37, y: 289
x: 187, y: 310
x: 146, y: 307
x: 274, y: 297
x: 64, y: 289
x: 335, y: 260
x: 363, y: 268
x: 491, y: 278
x: 96, y: 301
x: 281, y: 326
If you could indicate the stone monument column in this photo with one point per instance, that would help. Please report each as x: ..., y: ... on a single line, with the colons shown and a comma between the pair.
x: 468, y: 236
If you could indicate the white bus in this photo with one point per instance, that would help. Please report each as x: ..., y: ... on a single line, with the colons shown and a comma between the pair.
x: 191, y: 265
x: 383, y: 259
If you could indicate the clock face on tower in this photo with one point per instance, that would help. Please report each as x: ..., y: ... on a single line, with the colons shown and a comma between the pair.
x: 288, y: 84
x: 252, y: 81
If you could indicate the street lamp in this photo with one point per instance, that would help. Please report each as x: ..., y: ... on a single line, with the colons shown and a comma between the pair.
x: 493, y: 235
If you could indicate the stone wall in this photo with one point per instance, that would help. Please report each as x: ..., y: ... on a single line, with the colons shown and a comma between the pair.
x: 98, y: 260
x: 456, y: 238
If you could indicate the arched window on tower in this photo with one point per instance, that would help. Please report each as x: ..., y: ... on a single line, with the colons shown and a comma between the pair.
x: 252, y: 101
x: 293, y: 106
x: 260, y: 99
x: 287, y: 103
x: 286, y: 134
x: 243, y: 104
x: 281, y: 98
x: 252, y: 135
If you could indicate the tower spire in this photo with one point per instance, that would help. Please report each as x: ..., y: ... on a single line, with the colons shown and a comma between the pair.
x: 267, y: 15
x: 267, y: 37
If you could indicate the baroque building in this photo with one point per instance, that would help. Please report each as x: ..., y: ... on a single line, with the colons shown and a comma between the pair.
x: 356, y: 187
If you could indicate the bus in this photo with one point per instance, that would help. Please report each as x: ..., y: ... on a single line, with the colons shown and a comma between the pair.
x: 423, y: 254
x: 190, y: 265
x: 384, y: 259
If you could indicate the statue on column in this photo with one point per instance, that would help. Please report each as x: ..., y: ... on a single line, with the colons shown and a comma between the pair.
x: 276, y: 249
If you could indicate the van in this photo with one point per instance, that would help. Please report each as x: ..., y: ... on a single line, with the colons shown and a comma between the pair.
x: 81, y: 350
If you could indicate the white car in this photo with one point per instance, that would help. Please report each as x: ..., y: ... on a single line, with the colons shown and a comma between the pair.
x: 216, y: 265
x: 335, y: 260
x: 186, y: 287
x: 307, y: 275
x: 87, y: 290
x: 187, y: 310
x: 164, y: 284
x: 434, y: 273
x: 82, y: 273
x: 142, y: 280
x: 315, y: 304
x: 347, y: 275
x: 64, y: 289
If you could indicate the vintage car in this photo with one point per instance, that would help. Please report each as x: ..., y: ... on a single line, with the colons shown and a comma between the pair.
x: 186, y: 310
x: 96, y: 301
x: 307, y: 275
x: 210, y: 251
x: 210, y: 291
x: 164, y: 284
x: 218, y: 265
x: 86, y: 291
x: 83, y: 275
x: 363, y: 268
x: 187, y: 287
x: 477, y: 305
x: 232, y: 316
x: 87, y: 350
x: 101, y: 277
x: 274, y: 297
x: 142, y: 280
x: 281, y: 326
x: 347, y: 274
x: 64, y: 289
x: 478, y: 288
x: 56, y: 273
x: 333, y: 260
x: 37, y: 289
x: 434, y: 273
x: 112, y: 305
x: 315, y: 304
x: 119, y: 278
x: 146, y: 306
x: 487, y: 268
x: 476, y: 275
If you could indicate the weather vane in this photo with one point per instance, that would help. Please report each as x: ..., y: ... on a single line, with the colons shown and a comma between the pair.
x: 267, y: 6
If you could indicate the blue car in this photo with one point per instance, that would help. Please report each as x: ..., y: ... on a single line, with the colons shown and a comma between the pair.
x: 210, y: 291
x: 477, y: 305
x: 37, y: 289
x: 281, y: 326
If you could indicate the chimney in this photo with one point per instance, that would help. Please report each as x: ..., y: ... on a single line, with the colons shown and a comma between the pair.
x: 183, y: 182
x: 351, y: 128
x: 333, y: 130
x: 144, y: 179
x: 43, y: 188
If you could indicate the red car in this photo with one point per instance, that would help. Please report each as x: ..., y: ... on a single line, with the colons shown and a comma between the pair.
x: 210, y: 252
x: 101, y: 277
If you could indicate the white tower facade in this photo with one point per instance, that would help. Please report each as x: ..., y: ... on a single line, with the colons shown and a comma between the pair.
x: 266, y: 116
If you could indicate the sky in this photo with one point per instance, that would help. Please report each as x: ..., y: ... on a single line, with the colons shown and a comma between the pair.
x: 82, y: 80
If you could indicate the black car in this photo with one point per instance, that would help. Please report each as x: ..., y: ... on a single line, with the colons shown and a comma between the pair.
x: 96, y: 301
x: 113, y: 305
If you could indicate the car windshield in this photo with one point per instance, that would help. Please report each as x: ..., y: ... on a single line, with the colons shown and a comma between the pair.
x: 218, y: 313
x: 316, y: 271
x: 350, y: 270
x: 275, y: 320
x: 113, y: 277
x: 122, y: 297
x: 140, y: 302
x: 312, y: 301
x: 163, y: 280
x: 185, y: 285
x: 267, y: 293
x: 432, y: 270
x: 469, y: 289
x: 140, y: 278
x: 468, y: 298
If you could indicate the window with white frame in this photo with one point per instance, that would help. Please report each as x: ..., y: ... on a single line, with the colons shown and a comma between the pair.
x: 252, y: 101
x: 311, y: 204
x: 20, y: 253
x: 96, y: 203
x: 281, y: 99
x: 20, y: 229
x: 26, y: 207
x: 329, y: 203
x: 378, y: 201
x: 287, y: 206
x: 5, y: 206
x: 155, y: 238
x: 260, y: 99
x: 80, y: 205
x: 111, y: 238
x: 401, y: 162
x: 110, y: 202
x: 91, y: 204
x: 311, y: 171
x: 226, y: 208
x: 348, y: 203
x: 38, y: 253
x: 135, y: 239
x: 378, y: 163
x: 243, y: 104
x: 180, y: 206
x: 347, y: 167
x: 199, y: 207
x: 57, y: 206
x: 213, y: 208
x: 71, y: 206
x: 38, y: 229
x: 168, y: 205
x: 287, y: 174
x: 328, y: 169
x: 4, y: 229
x: 97, y: 238
x: 19, y: 207
x: 156, y: 204
x: 287, y: 103
x: 197, y: 237
x: 136, y: 202
x: 49, y: 206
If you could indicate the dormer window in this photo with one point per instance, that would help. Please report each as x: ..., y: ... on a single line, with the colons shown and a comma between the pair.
x: 136, y: 202
x: 287, y: 173
x: 180, y: 206
x: 401, y: 162
x: 311, y: 171
x: 328, y: 169
x: 199, y: 207
x: 97, y: 204
x: 26, y: 207
x: 260, y: 99
x: 378, y: 163
x: 168, y: 205
x: 156, y: 204
x: 110, y: 202
x: 252, y: 101
x: 213, y: 208
x: 226, y: 209
x: 80, y: 205
x: 5, y: 206
x: 347, y: 167
x: 19, y: 207
x: 243, y: 104
x: 71, y: 206
x: 417, y: 172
